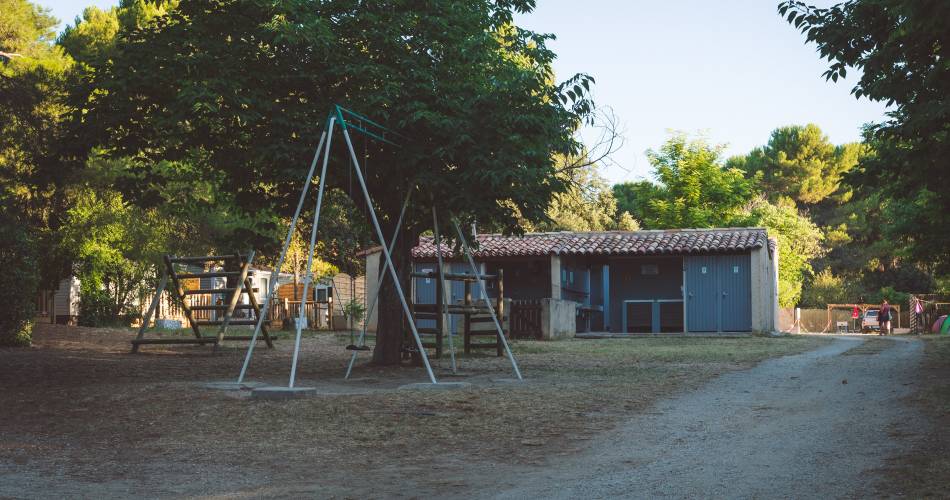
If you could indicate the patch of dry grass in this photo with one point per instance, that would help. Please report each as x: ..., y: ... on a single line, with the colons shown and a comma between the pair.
x: 922, y: 472
x: 104, y: 411
x: 870, y: 347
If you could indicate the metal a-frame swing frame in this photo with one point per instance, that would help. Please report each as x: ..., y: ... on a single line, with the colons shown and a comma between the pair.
x: 359, y: 123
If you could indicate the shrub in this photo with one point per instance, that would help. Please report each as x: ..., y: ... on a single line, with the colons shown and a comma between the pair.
x: 19, y: 281
x: 95, y: 307
x: 826, y: 288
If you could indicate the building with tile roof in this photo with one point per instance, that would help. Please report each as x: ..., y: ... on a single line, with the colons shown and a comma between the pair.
x: 682, y: 281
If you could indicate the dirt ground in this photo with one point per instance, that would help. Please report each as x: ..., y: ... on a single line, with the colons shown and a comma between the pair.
x: 84, y: 418
x: 921, y: 471
x: 819, y: 424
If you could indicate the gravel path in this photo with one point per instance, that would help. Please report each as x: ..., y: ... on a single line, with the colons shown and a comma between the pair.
x: 804, y: 426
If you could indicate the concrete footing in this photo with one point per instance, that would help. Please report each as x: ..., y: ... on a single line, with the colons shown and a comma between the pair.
x: 441, y: 386
x: 507, y: 381
x: 277, y: 392
x: 233, y: 386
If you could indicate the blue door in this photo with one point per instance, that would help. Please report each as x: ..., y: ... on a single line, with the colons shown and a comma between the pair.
x: 735, y: 293
x: 702, y: 294
x: 425, y: 291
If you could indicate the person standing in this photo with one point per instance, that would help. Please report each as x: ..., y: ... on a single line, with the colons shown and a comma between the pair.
x: 884, y: 318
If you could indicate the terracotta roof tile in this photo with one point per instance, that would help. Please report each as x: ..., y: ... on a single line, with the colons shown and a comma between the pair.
x: 664, y: 242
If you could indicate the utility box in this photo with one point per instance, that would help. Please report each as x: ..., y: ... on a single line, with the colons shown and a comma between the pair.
x: 167, y: 324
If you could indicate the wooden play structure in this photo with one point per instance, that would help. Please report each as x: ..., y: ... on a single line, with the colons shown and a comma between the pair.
x: 472, y: 312
x: 221, y: 307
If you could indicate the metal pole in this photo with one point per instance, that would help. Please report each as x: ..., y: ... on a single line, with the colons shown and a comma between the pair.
x: 379, y: 285
x: 438, y: 254
x: 336, y: 295
x: 478, y: 277
x: 162, y: 283
x: 313, y: 243
x: 389, y: 260
x: 275, y: 275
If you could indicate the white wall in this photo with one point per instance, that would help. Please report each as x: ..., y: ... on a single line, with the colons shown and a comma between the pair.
x: 764, y: 290
x: 66, y: 298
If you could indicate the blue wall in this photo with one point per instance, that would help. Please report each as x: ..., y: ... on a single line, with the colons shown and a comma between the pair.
x: 719, y: 293
x: 627, y: 282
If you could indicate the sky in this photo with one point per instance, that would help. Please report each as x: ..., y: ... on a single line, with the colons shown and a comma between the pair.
x: 730, y: 71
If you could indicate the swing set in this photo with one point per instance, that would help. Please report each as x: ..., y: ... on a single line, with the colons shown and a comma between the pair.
x: 347, y: 120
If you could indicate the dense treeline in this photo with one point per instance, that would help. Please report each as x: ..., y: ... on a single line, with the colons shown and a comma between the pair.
x: 833, y: 244
x: 162, y: 127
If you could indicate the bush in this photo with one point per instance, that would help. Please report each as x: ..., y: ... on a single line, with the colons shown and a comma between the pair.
x: 95, y: 307
x: 826, y: 288
x: 891, y: 295
x: 19, y: 281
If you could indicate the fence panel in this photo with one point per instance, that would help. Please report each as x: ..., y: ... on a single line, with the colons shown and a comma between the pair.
x: 525, y: 319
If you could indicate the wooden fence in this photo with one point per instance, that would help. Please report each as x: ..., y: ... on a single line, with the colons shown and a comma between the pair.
x: 286, y: 310
x: 933, y: 307
x: 525, y: 318
x: 823, y: 321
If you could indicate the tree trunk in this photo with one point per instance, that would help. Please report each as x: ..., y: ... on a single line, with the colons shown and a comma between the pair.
x: 390, y: 319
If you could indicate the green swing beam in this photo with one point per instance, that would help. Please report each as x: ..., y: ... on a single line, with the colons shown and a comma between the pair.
x: 366, y: 126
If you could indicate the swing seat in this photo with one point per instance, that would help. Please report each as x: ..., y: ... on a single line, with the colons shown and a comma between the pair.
x: 353, y: 347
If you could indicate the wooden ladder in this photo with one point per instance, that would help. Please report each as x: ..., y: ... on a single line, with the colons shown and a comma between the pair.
x: 228, y: 306
x: 432, y: 338
x: 473, y: 312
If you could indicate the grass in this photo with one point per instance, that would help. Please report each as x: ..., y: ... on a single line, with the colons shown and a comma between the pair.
x: 922, y: 472
x: 674, y: 350
x: 575, y: 389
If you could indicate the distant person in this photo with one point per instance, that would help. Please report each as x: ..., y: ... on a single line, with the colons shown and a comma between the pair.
x: 918, y: 315
x: 884, y: 318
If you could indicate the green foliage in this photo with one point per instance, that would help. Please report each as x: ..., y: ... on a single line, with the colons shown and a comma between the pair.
x: 18, y: 281
x: 826, y: 288
x: 91, y: 40
x: 634, y: 197
x: 117, y: 249
x: 800, y: 167
x: 898, y: 46
x: 241, y: 91
x: 588, y: 204
x: 891, y: 295
x: 343, y: 232
x: 34, y: 162
x: 354, y: 310
x: 97, y: 307
x: 236, y: 94
x: 799, y: 162
x: 799, y: 242
x: 25, y: 29
x: 696, y: 190
x: 693, y: 188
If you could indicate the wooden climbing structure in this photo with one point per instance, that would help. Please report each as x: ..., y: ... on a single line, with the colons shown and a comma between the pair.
x: 473, y: 313
x: 222, y: 304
